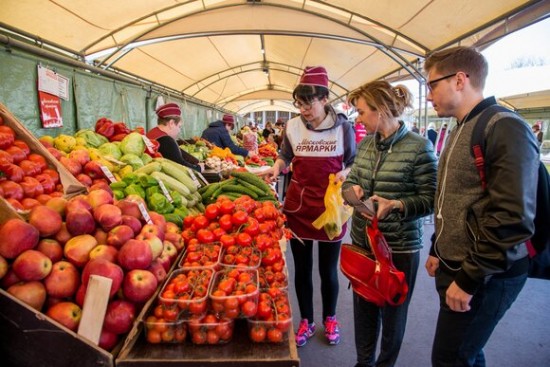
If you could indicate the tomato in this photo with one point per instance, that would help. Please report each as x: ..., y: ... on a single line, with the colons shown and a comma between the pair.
x: 53, y: 174
x: 6, y: 140
x: 225, y: 222
x: 239, y: 217
x: 227, y: 207
x: 201, y: 221
x: 180, y: 333
x: 16, y: 153
x: 153, y: 336
x: 5, y: 157
x: 257, y: 333
x: 22, y: 145
x: 275, y: 335
x: 199, y: 337
x: 227, y: 240
x: 197, y: 307
x: 7, y: 130
x: 30, y: 168
x: 47, y: 182
x: 188, y: 221
x: 13, y: 172
x: 244, y: 239
x: 38, y: 159
x: 259, y: 214
x: 12, y: 190
x: 218, y: 232
x: 252, y: 226
x: 231, y: 313
x: 212, y: 337
x: 211, y: 211
x: 187, y: 235
x: 249, y: 308
x: 263, y: 310
x: 205, y: 236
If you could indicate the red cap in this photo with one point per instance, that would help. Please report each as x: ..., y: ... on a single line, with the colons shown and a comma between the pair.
x: 228, y: 119
x: 169, y: 110
x: 314, y: 75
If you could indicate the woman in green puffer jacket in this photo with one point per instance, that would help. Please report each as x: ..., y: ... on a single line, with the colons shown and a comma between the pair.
x: 397, y: 170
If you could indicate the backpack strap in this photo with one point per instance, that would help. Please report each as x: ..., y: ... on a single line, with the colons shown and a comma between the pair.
x: 478, y: 139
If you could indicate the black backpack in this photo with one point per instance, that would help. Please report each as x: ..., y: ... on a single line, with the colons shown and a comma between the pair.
x: 539, y: 245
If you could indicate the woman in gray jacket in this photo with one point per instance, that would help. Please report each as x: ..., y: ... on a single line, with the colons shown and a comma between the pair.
x: 396, y: 169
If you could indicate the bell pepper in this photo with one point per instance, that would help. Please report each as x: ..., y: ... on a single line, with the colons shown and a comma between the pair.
x: 121, y: 128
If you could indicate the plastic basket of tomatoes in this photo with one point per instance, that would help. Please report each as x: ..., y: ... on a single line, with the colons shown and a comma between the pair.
x: 240, y: 257
x: 272, y: 322
x: 210, y: 330
x: 159, y: 330
x: 234, y: 293
x: 186, y: 290
x: 272, y: 278
x: 201, y: 255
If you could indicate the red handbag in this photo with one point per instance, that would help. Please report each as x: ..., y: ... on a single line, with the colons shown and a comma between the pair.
x: 375, y: 280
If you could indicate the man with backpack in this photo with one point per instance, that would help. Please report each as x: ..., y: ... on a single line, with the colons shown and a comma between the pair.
x: 479, y: 254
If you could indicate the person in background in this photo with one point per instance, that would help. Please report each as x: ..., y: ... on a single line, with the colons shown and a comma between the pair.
x: 431, y: 134
x: 217, y: 133
x: 396, y: 169
x: 538, y: 133
x: 166, y: 133
x: 414, y: 128
x: 318, y: 142
x: 360, y: 131
x: 268, y: 129
x: 478, y: 256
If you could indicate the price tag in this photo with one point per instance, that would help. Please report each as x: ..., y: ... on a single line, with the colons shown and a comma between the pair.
x: 165, y: 191
x: 194, y: 177
x: 148, y: 144
x: 107, y: 173
x: 144, y: 213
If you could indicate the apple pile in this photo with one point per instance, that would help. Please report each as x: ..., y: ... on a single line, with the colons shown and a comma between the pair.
x: 47, y: 260
x: 26, y: 180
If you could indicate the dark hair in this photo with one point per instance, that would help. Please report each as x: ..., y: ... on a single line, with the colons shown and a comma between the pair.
x: 383, y: 97
x: 308, y: 93
x: 460, y: 58
x: 166, y: 120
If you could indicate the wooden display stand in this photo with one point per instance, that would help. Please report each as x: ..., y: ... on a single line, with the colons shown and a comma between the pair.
x: 239, y: 352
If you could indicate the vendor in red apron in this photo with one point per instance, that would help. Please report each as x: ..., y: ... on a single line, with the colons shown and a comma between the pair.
x: 318, y: 142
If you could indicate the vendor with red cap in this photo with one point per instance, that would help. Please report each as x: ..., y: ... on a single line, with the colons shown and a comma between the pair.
x: 167, y: 131
x: 217, y: 133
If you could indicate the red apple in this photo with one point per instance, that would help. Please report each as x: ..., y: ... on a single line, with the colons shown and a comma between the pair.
x: 3, y: 267
x: 165, y: 260
x: 99, y: 197
x: 120, y: 316
x: 32, y: 265
x: 32, y: 293
x: 157, y: 268
x: 51, y: 248
x: 63, y: 235
x: 16, y: 236
x: 153, y: 241
x: 129, y: 207
x: 80, y: 295
x: 104, y: 252
x: 63, y: 281
x: 170, y: 250
x: 9, y: 279
x: 107, y: 340
x: 106, y: 269
x: 57, y: 203
x: 139, y: 285
x: 84, y: 179
x: 47, y: 220
x: 132, y: 222
x: 71, y: 165
x: 119, y: 235
x: 172, y: 227
x: 101, y: 183
x: 82, y: 156
x: 175, y: 239
x: 80, y: 221
x: 153, y: 229
x: 159, y: 221
x: 101, y: 236
x: 135, y: 254
x: 93, y: 169
x: 67, y: 314
x: 56, y: 153
x: 107, y: 215
x: 77, y: 249
x: 78, y: 201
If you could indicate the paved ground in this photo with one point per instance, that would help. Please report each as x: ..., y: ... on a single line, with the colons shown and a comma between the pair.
x: 521, y: 339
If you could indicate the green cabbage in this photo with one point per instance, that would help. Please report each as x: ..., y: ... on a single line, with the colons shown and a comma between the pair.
x: 92, y: 139
x: 133, y: 144
x: 111, y: 150
x: 133, y: 160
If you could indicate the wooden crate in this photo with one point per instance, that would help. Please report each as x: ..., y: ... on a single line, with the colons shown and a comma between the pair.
x: 239, y: 352
x: 30, y: 338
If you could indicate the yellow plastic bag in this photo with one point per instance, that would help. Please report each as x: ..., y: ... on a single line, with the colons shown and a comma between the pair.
x: 336, y: 213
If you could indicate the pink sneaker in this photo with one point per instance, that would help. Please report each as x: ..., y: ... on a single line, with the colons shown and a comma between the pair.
x: 332, y: 331
x: 305, y: 331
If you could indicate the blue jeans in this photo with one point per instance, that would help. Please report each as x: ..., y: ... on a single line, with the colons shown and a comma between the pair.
x: 369, y: 319
x: 460, y: 336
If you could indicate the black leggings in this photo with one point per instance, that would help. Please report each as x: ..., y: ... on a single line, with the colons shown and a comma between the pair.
x: 328, y: 271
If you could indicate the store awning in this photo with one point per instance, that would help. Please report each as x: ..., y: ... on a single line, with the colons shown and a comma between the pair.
x: 248, y: 55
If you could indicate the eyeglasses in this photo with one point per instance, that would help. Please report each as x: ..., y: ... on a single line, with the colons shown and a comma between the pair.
x: 431, y: 84
x: 304, y: 106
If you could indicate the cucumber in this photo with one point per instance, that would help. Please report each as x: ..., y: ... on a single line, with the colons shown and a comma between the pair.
x: 239, y: 189
x: 251, y: 179
x: 171, y: 183
x: 251, y: 187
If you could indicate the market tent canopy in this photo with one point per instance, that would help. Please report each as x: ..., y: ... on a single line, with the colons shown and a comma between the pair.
x: 247, y: 55
x: 527, y: 101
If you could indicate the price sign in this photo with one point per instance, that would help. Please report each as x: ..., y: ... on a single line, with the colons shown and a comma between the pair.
x: 108, y: 173
x: 165, y: 191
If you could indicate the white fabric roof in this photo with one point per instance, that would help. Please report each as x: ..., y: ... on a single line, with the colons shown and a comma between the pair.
x: 212, y: 49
